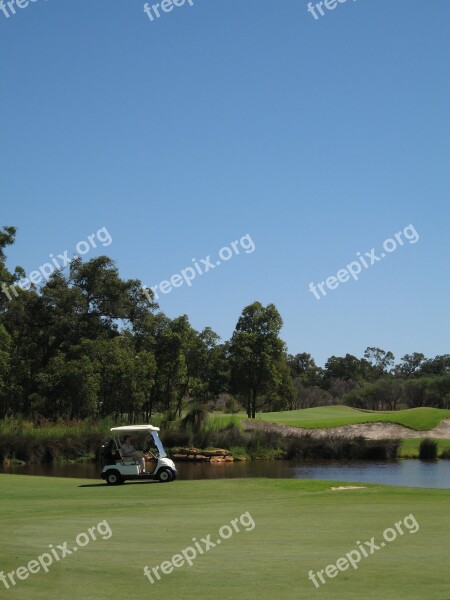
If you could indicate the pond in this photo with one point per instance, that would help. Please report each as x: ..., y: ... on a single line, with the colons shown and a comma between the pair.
x: 412, y: 473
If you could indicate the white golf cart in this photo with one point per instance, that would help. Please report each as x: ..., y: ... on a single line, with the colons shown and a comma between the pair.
x: 117, y: 468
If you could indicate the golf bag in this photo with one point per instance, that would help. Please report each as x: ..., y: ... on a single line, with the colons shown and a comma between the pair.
x: 108, y: 453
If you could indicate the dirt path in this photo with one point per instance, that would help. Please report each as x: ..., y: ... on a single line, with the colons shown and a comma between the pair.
x: 370, y: 431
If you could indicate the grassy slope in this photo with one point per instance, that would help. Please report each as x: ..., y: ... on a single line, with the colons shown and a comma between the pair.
x: 336, y: 416
x: 300, y: 525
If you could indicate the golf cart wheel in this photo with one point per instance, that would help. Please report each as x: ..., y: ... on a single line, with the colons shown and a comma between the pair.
x: 165, y: 475
x: 113, y: 478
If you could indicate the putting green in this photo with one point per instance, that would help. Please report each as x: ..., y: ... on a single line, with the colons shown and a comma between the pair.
x: 336, y: 416
x: 299, y: 526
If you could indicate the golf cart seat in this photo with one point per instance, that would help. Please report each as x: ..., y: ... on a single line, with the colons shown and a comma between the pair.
x: 127, y: 459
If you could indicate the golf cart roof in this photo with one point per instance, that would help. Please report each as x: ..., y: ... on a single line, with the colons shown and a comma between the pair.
x: 134, y: 428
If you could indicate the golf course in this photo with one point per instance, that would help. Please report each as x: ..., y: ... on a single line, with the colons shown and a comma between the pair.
x: 224, y: 324
x: 299, y: 526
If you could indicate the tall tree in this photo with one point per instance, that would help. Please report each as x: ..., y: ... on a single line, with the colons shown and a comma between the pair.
x: 255, y: 353
x: 381, y: 361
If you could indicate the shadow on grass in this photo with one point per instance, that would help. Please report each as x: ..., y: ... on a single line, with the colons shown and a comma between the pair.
x: 89, y: 485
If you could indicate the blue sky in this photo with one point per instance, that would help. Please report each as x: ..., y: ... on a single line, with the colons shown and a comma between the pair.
x: 319, y: 139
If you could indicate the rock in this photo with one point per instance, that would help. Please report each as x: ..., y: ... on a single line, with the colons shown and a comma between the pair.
x: 218, y: 452
x: 194, y: 454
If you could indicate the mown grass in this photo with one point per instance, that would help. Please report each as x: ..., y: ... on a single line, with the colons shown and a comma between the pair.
x: 410, y: 447
x: 300, y: 525
x: 336, y: 416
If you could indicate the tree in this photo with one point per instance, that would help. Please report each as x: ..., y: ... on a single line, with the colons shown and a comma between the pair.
x: 310, y: 397
x: 89, y: 344
x: 305, y: 369
x: 440, y: 365
x: 348, y: 368
x: 380, y: 360
x: 5, y: 370
x: 7, y: 279
x: 411, y: 363
x: 282, y: 394
x: 255, y: 353
x: 107, y: 300
x: 427, y: 391
x: 68, y: 388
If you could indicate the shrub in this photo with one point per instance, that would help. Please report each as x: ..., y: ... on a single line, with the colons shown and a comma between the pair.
x: 195, y: 418
x: 380, y: 450
x: 338, y: 448
x: 232, y: 405
x: 239, y: 453
x: 428, y: 449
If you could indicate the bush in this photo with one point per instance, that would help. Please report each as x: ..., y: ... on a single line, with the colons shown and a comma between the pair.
x: 338, y: 448
x: 195, y: 418
x: 225, y: 438
x: 232, y: 405
x: 47, y: 448
x: 380, y: 450
x: 239, y: 453
x: 428, y: 449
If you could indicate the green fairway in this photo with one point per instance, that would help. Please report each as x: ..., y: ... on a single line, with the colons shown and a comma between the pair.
x: 337, y: 416
x: 299, y: 525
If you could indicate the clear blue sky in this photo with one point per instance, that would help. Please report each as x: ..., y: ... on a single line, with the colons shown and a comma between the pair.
x: 318, y: 138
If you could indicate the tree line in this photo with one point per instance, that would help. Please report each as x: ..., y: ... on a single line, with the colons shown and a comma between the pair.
x: 88, y: 344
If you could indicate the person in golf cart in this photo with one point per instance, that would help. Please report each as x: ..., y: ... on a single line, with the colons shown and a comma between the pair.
x: 128, y: 451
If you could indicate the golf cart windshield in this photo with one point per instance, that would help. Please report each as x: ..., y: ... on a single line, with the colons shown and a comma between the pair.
x: 158, y: 444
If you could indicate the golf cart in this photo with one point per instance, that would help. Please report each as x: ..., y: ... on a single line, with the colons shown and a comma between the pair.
x: 117, y: 468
